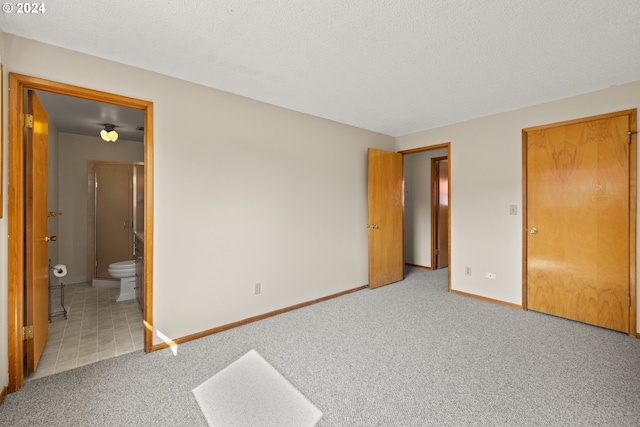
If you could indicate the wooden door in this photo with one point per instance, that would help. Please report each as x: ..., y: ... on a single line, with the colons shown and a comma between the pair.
x: 577, y: 193
x: 385, y: 202
x: 114, y: 215
x: 440, y: 216
x: 37, y: 264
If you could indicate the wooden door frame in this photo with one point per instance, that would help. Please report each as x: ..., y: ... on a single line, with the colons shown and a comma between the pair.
x: 435, y: 192
x: 632, y: 204
x: 16, y: 208
x: 446, y: 145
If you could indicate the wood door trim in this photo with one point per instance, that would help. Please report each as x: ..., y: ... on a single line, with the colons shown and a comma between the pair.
x: 582, y: 120
x: 632, y: 221
x: 524, y: 218
x: 427, y: 148
x: 435, y: 181
x: 16, y: 209
x: 632, y: 204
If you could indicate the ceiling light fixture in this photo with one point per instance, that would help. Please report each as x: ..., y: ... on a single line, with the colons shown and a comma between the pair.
x: 108, y: 133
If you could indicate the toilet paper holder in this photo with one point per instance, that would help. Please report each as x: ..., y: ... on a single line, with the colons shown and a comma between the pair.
x: 58, y: 270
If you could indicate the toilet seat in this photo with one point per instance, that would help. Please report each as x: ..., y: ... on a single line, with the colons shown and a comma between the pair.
x: 122, y: 269
x: 123, y: 264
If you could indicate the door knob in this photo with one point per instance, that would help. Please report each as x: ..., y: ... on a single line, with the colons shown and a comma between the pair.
x: 51, y: 239
x: 533, y: 230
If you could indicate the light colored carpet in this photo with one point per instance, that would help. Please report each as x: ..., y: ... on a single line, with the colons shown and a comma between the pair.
x: 250, y: 392
x: 406, y: 354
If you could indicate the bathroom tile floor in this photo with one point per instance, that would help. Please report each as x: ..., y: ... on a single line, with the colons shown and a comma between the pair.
x: 97, y: 328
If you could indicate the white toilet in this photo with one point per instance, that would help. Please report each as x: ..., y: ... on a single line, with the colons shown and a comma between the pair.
x: 126, y: 272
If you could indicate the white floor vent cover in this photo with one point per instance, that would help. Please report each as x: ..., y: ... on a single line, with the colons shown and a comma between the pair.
x: 250, y: 392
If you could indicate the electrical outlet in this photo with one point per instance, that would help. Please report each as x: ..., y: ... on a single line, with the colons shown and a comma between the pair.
x: 490, y: 275
x: 467, y: 271
x: 257, y: 287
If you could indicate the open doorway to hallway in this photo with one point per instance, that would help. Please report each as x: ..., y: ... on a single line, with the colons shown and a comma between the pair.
x: 426, y: 203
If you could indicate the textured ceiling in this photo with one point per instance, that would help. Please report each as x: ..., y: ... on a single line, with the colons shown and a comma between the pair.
x: 391, y: 66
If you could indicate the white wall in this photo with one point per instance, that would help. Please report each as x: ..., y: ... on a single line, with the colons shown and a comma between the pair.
x: 75, y: 151
x: 486, y: 177
x: 245, y: 192
x: 417, y: 206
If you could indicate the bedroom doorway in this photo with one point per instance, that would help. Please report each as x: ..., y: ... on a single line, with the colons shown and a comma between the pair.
x: 387, y: 214
x: 426, y: 216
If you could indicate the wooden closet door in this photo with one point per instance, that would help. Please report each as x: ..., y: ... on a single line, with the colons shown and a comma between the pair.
x: 578, y: 224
